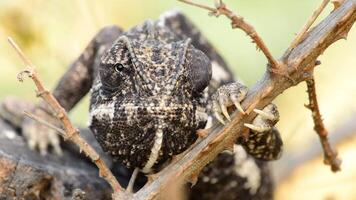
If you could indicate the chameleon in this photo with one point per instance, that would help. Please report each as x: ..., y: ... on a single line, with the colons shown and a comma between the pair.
x: 152, y: 87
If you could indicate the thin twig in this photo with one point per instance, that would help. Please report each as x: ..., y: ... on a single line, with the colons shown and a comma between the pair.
x: 330, y: 156
x: 58, y: 130
x: 262, y: 93
x: 71, y: 132
x: 239, y: 22
x: 131, y: 184
x: 302, y: 33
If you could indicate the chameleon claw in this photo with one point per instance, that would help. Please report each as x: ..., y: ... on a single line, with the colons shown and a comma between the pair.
x: 31, y: 144
x: 224, y: 111
x: 219, y: 117
x: 238, y: 106
x: 256, y: 128
x: 264, y: 114
x: 236, y: 100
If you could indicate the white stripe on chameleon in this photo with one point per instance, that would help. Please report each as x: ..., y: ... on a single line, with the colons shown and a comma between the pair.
x: 154, y: 151
x: 247, y: 167
x: 101, y: 111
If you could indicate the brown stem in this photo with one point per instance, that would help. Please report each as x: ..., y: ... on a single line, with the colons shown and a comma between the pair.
x: 299, y: 61
x: 330, y: 156
x: 71, y: 133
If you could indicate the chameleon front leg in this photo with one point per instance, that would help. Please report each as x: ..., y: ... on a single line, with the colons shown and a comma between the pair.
x: 72, y: 87
x: 264, y: 141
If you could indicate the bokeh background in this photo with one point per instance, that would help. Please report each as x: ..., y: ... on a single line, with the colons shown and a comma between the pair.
x: 53, y: 33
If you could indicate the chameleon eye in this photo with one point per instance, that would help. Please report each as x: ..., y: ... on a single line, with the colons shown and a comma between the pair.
x: 200, y: 70
x: 118, y: 67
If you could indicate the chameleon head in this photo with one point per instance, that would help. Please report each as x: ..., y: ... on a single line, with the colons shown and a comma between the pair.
x: 148, y: 98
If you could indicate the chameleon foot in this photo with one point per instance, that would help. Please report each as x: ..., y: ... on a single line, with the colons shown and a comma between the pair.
x: 228, y: 95
x: 265, y: 119
x: 264, y: 141
x: 37, y: 135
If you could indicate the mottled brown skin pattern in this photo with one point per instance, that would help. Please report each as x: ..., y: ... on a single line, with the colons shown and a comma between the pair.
x: 149, y: 82
x: 151, y: 89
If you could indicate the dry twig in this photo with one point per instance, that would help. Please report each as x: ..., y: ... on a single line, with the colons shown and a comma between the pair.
x: 239, y: 22
x: 71, y: 133
x: 301, y: 35
x: 330, y: 156
x: 299, y: 62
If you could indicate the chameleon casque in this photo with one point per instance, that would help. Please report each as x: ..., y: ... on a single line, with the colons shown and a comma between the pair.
x: 152, y: 87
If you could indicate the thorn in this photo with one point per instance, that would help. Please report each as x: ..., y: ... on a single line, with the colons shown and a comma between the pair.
x: 230, y: 147
x: 219, y: 117
x: 307, y: 106
x: 193, y: 179
x: 337, y: 4
x: 344, y: 35
x: 264, y: 114
x: 224, y: 111
x: 317, y: 62
x: 202, y: 133
x: 175, y: 158
x: 41, y: 93
x: 150, y: 178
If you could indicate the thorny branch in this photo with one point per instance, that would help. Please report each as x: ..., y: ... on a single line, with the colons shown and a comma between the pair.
x: 298, y: 64
x: 330, y: 156
x: 239, y: 22
x: 70, y: 132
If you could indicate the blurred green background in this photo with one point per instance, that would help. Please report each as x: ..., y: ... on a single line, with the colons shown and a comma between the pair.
x: 53, y: 33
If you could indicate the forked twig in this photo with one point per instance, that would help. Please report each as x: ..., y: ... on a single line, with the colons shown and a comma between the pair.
x: 330, y: 156
x: 239, y: 22
x: 262, y: 93
x: 302, y: 33
x: 71, y: 133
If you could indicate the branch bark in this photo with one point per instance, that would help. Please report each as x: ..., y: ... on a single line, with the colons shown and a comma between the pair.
x: 299, y: 62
